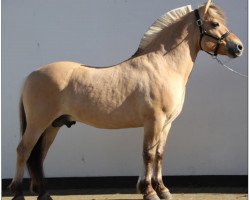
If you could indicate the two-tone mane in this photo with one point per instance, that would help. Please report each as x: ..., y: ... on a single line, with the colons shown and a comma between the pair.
x: 161, y: 23
x: 170, y: 17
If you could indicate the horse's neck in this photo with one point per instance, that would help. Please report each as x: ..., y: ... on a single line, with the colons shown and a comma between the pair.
x: 178, y: 46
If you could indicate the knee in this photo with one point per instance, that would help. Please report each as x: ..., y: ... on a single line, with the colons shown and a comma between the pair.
x: 22, y: 151
x: 148, y: 156
x: 159, y: 155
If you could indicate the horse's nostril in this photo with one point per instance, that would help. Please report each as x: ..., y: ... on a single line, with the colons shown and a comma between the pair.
x: 239, y: 47
x: 235, y: 49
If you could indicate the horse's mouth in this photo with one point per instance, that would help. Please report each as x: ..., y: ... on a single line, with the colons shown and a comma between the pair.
x: 234, y: 55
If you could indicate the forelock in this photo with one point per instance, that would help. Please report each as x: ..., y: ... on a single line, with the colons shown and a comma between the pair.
x: 215, y: 12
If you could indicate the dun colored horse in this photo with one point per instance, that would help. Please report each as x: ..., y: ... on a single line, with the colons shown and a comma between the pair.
x: 147, y: 90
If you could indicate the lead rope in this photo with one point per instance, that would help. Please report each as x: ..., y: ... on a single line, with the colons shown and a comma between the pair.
x: 228, y: 68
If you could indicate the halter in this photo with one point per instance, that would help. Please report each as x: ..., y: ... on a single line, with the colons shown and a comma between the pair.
x: 204, y: 32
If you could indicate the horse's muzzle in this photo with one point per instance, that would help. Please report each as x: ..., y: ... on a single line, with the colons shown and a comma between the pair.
x: 235, y: 49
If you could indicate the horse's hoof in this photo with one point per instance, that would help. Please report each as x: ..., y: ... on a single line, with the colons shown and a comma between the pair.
x: 45, y: 196
x: 165, y: 195
x: 151, y: 197
x: 19, y: 198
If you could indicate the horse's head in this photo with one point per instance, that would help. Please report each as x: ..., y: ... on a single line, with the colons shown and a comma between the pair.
x: 215, y: 36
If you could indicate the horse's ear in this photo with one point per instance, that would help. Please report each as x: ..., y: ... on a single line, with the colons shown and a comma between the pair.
x: 207, y: 6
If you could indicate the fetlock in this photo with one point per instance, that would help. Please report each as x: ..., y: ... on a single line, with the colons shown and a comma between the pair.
x: 16, y: 189
x: 38, y: 187
x: 44, y: 196
x: 161, y: 190
x: 159, y: 186
x: 147, y: 190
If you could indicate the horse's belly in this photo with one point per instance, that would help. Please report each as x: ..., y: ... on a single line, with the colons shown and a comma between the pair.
x: 108, y: 121
x: 109, y: 118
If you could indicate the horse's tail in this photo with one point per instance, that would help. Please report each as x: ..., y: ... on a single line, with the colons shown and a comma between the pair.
x: 34, y: 163
x: 23, y: 122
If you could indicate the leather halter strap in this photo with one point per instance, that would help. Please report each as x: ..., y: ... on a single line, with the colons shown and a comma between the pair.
x: 203, y: 32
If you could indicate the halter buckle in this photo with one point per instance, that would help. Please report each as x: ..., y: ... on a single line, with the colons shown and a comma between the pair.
x: 199, y: 22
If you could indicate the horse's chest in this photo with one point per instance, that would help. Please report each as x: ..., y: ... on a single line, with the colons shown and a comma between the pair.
x: 175, y: 110
x: 172, y: 104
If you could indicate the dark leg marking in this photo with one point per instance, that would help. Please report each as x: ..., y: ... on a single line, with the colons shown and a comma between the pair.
x: 63, y: 120
x: 161, y: 190
x: 44, y: 196
x: 16, y: 188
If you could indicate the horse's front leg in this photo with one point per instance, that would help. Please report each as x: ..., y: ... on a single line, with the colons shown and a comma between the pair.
x: 158, y: 184
x: 152, y: 131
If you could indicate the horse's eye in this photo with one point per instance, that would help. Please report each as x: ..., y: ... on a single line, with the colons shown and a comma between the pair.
x: 215, y: 24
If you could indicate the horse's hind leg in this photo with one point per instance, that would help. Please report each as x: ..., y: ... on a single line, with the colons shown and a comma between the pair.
x: 24, y: 149
x: 36, y: 165
x: 158, y: 184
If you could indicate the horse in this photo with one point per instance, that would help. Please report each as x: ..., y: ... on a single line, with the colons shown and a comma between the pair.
x: 147, y: 90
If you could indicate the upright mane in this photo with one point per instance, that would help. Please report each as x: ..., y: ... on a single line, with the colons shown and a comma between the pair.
x: 164, y: 21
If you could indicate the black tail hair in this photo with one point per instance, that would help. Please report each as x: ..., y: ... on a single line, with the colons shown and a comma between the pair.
x: 23, y: 122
